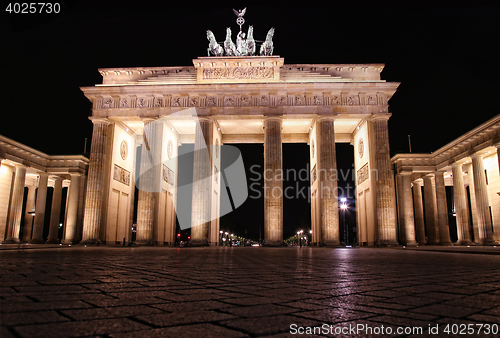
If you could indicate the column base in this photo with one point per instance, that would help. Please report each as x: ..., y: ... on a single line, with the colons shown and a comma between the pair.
x: 198, y: 242
x: 487, y: 242
x: 12, y: 241
x: 70, y: 242
x: 432, y: 243
x: 387, y: 244
x: 332, y: 244
x: 411, y: 244
x: 88, y: 242
x: 36, y: 241
x: 144, y: 243
x: 446, y: 244
x: 273, y: 243
x: 53, y: 241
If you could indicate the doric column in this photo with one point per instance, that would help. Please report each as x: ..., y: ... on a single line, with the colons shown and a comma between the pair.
x: 460, y: 198
x: 202, y: 183
x: 41, y: 199
x: 485, y: 229
x: 55, y: 212
x: 406, y: 218
x: 16, y: 206
x: 28, y: 216
x: 419, y: 211
x: 327, y: 181
x: 442, y: 209
x: 69, y: 236
x: 385, y: 195
x: 95, y: 183
x: 471, y: 204
x: 149, y: 181
x: 273, y: 182
x: 431, y: 214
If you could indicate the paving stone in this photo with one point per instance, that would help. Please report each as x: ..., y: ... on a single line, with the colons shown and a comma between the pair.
x: 110, y: 312
x: 171, y: 319
x: 195, y: 330
x: 18, y: 318
x: 80, y: 328
x: 447, y: 310
x: 269, y: 325
x: 163, y: 292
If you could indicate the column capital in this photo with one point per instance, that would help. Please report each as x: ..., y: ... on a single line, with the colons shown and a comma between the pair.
x: 56, y: 177
x: 456, y: 165
x: 149, y: 119
x: 380, y: 116
x: 205, y: 118
x: 418, y: 181
x: 476, y: 155
x: 96, y: 119
x: 43, y: 173
x: 327, y: 117
x: 273, y: 117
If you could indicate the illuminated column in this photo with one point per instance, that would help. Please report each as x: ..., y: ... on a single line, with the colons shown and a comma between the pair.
x: 327, y: 181
x: 460, y: 198
x: 485, y: 229
x: 419, y: 211
x: 95, y: 183
x: 442, y: 209
x: 385, y: 197
x: 149, y: 181
x: 28, y: 216
x: 273, y: 182
x: 407, y: 223
x: 202, y: 182
x: 16, y: 206
x: 431, y: 213
x: 69, y: 236
x: 55, y: 212
x: 41, y: 199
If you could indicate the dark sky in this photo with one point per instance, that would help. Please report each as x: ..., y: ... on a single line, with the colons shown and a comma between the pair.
x: 445, y: 58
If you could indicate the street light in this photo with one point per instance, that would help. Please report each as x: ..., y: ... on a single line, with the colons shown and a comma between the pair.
x: 343, y: 207
x: 299, y: 235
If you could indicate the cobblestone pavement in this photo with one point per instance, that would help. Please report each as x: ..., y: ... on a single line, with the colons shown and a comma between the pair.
x: 239, y: 292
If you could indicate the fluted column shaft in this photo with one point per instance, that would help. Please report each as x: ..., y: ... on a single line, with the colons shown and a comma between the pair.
x: 95, y: 183
x: 69, y: 235
x: 202, y: 183
x: 485, y: 229
x: 327, y: 181
x: 407, y: 224
x: 385, y: 196
x: 16, y: 206
x: 149, y: 182
x: 442, y: 209
x: 431, y: 216
x: 41, y: 201
x: 55, y: 212
x: 460, y: 198
x: 419, y: 212
x: 273, y: 182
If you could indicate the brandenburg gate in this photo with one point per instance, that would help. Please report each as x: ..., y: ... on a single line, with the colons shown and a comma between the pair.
x: 248, y: 99
x: 141, y: 115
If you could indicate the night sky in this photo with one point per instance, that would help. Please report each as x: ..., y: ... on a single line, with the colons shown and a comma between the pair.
x: 445, y: 58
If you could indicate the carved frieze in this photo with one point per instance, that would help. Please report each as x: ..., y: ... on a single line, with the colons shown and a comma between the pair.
x: 168, y: 175
x: 363, y: 173
x: 295, y: 99
x: 121, y: 175
x: 238, y: 73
